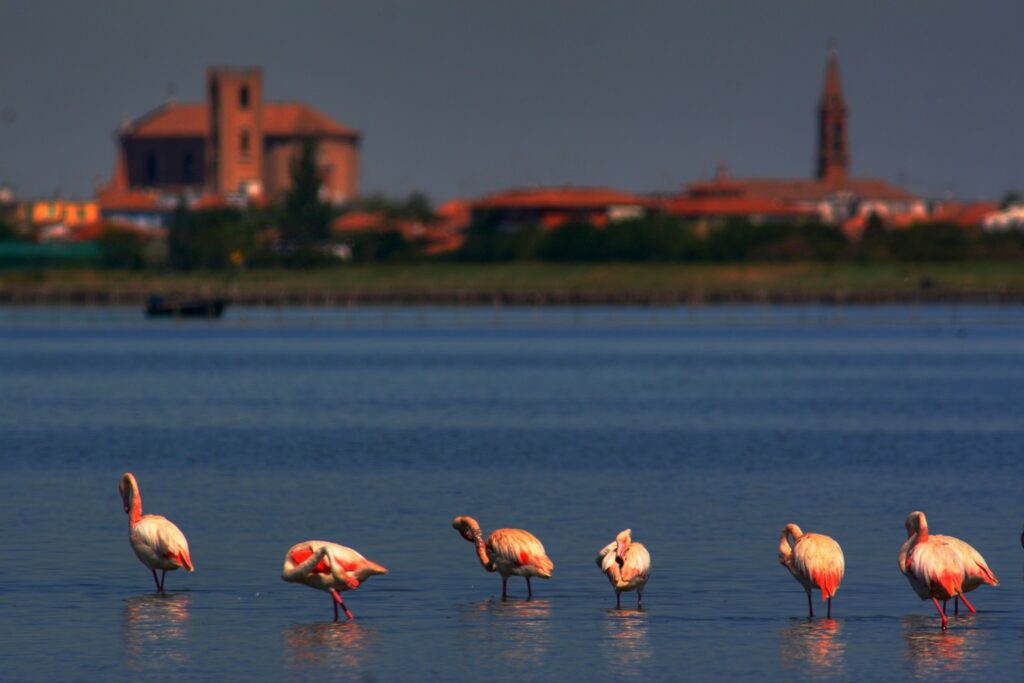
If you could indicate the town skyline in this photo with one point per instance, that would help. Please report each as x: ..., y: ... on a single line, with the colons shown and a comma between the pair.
x: 445, y: 109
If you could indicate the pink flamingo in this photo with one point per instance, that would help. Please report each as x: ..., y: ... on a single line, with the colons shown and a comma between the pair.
x: 813, y: 560
x: 510, y: 552
x: 628, y: 567
x: 328, y: 567
x: 976, y: 570
x: 157, y: 542
x: 935, y: 569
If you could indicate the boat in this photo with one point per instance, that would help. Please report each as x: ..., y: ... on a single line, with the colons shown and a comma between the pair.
x: 186, y: 308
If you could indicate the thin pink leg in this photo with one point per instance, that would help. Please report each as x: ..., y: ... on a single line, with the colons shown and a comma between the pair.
x: 829, y: 615
x: 340, y: 603
x: 335, y: 610
x: 810, y: 607
x: 163, y: 580
x: 529, y: 588
x: 942, y: 613
x: 944, y: 606
x: 969, y: 605
x: 159, y: 588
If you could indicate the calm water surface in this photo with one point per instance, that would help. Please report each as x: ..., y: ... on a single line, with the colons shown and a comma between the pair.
x: 704, y: 430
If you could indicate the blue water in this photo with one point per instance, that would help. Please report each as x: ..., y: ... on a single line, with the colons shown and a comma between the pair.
x: 704, y: 430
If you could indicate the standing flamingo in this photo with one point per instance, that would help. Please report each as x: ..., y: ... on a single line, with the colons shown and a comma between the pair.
x: 328, y: 567
x: 813, y: 560
x: 510, y: 552
x: 976, y: 570
x: 157, y: 542
x: 935, y: 569
x: 628, y: 567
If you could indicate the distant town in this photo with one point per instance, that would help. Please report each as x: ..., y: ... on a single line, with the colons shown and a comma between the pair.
x: 233, y: 160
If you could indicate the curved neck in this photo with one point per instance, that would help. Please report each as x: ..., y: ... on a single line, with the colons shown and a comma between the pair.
x: 134, y: 501
x: 481, y: 548
x: 790, y: 533
x: 922, y: 528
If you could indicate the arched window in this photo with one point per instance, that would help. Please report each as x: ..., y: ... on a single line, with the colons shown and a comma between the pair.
x: 243, y: 142
x: 243, y: 97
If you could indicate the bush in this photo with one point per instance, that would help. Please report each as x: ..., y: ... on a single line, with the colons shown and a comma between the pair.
x: 121, y: 249
x: 929, y: 242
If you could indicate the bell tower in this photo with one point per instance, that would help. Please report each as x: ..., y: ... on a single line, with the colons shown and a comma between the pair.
x: 235, y: 144
x: 833, y: 149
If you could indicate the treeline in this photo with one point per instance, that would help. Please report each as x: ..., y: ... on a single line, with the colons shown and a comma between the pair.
x: 667, y: 238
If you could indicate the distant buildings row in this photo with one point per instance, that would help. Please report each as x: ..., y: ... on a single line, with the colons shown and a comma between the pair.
x: 236, y: 149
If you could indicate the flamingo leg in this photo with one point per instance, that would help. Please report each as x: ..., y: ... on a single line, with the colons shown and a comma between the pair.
x: 618, y: 599
x: 335, y: 605
x: 340, y: 603
x: 640, y: 599
x: 159, y: 588
x: 504, y: 588
x: 529, y: 588
x: 810, y: 606
x: 942, y: 613
x: 944, y: 605
x: 163, y: 580
x: 969, y: 605
x: 829, y: 615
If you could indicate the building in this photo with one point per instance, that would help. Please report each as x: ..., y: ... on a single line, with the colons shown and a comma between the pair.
x: 234, y: 145
x: 552, y: 207
x: 831, y: 195
x: 47, y: 212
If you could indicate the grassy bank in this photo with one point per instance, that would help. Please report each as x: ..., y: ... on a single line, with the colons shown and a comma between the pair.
x: 537, y: 282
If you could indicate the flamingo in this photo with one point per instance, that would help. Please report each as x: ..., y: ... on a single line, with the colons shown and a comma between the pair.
x: 157, y: 542
x: 934, y: 568
x: 976, y: 570
x: 628, y: 567
x: 328, y: 567
x: 510, y: 552
x: 813, y: 560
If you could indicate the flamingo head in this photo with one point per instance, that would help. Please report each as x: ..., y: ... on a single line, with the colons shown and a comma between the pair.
x: 622, y: 542
x: 467, y: 527
x: 127, y: 487
x: 913, y: 522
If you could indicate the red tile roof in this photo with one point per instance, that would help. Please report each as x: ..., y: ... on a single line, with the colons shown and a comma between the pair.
x: 288, y: 119
x: 561, y: 198
x: 797, y: 190
x: 732, y: 206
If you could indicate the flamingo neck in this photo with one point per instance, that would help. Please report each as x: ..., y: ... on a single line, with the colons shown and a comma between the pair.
x: 135, y: 511
x: 790, y: 533
x: 481, y: 550
x: 922, y: 528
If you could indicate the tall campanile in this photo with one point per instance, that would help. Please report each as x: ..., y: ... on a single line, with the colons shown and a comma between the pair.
x: 833, y: 148
x: 235, y: 144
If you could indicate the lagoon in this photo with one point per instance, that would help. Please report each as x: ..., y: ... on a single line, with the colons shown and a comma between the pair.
x: 704, y: 429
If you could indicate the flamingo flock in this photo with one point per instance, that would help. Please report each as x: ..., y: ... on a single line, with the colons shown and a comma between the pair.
x: 937, y: 567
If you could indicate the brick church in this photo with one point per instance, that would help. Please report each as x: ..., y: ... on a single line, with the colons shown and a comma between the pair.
x: 831, y: 195
x: 235, y: 146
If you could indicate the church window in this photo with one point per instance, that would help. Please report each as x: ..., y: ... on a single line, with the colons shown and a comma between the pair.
x: 243, y: 142
x: 243, y: 97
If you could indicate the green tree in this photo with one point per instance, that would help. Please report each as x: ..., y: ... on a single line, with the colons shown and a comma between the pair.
x: 305, y: 219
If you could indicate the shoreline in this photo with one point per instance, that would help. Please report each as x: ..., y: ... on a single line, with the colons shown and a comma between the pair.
x: 534, y: 284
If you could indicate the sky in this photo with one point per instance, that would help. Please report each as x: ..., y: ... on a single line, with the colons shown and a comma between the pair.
x: 462, y: 98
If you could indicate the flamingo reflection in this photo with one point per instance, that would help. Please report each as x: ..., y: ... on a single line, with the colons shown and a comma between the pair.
x: 935, y: 653
x: 816, y: 648
x: 516, y: 631
x: 156, y: 630
x: 343, y: 646
x: 627, y: 637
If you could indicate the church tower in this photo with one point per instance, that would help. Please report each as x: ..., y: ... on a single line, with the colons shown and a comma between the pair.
x: 235, y: 144
x: 833, y: 150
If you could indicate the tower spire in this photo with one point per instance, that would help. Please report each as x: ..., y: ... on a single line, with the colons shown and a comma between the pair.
x: 833, y: 152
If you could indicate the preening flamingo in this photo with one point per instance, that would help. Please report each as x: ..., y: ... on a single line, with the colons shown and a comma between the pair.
x: 157, y: 542
x: 935, y: 569
x: 815, y: 560
x: 976, y: 570
x: 627, y: 565
x: 328, y: 567
x: 510, y: 552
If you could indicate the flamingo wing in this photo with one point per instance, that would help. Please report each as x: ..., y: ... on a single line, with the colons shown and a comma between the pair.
x: 819, y: 559
x: 519, y: 548
x: 163, y: 539
x: 636, y: 564
x: 938, y: 569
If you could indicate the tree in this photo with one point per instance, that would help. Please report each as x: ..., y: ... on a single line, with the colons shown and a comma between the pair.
x: 305, y: 219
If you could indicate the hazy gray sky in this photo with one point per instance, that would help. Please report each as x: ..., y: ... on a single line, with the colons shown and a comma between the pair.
x: 462, y: 98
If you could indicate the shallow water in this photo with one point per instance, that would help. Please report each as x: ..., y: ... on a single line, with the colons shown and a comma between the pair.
x: 705, y: 430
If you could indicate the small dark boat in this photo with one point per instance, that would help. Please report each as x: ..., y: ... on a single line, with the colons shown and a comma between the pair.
x: 188, y: 308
